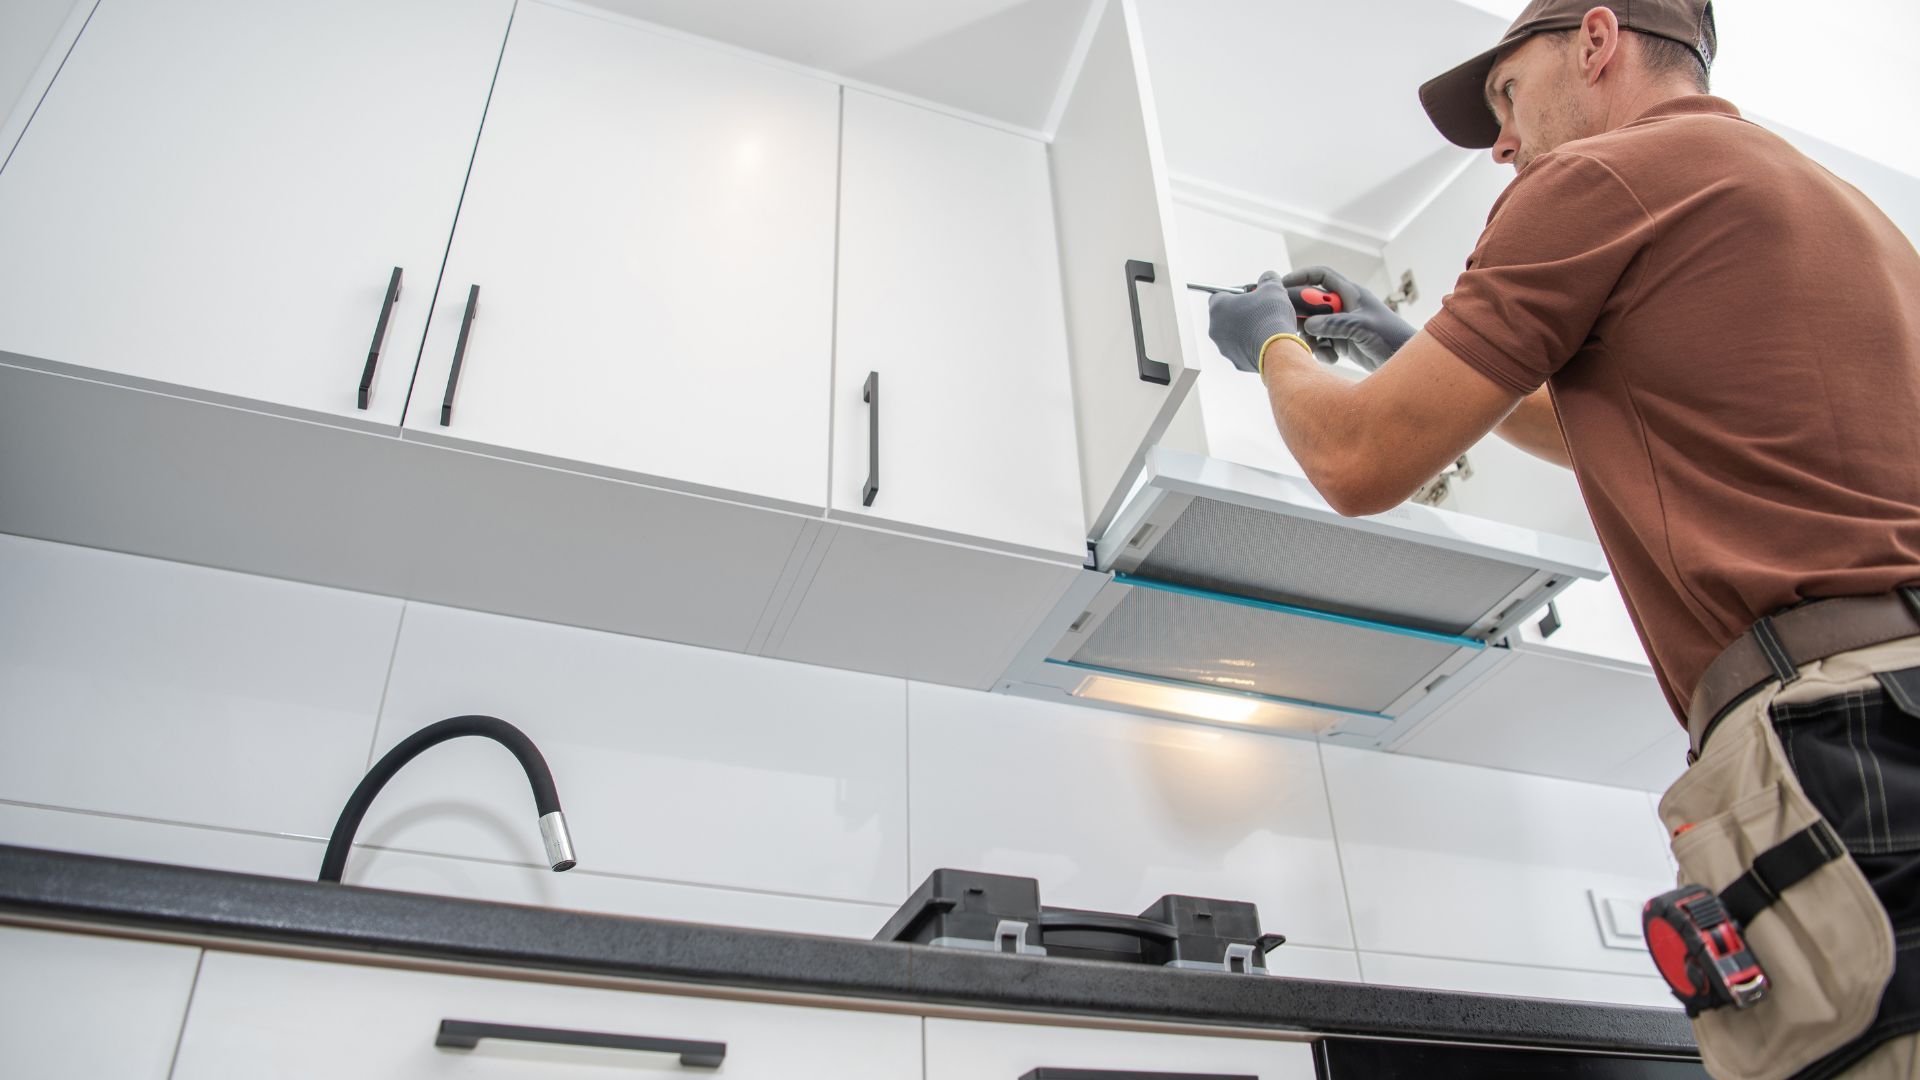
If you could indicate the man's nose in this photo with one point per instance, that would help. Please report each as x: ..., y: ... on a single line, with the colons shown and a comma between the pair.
x: 1506, y: 148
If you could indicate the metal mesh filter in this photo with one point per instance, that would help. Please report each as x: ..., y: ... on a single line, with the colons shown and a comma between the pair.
x: 1194, y: 639
x: 1223, y: 547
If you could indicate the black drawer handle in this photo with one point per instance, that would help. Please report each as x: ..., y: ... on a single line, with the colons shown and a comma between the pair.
x: 459, y: 355
x: 1112, y: 1075
x: 466, y: 1034
x: 1152, y: 371
x: 1109, y: 1074
x: 379, y: 337
x: 871, y: 395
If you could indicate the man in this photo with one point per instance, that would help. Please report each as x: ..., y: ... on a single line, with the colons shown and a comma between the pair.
x: 1722, y: 341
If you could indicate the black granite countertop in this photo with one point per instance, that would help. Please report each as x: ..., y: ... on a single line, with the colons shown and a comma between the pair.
x: 216, y: 904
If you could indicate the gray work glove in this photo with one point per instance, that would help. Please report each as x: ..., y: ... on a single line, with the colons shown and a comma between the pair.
x: 1366, y: 331
x: 1240, y: 323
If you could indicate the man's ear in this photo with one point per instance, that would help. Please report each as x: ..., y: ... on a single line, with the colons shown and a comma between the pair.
x: 1599, y: 42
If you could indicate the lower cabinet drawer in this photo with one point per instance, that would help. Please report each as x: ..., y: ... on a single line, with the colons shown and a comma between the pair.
x: 79, y: 1007
x: 971, y: 1050
x: 256, y: 1016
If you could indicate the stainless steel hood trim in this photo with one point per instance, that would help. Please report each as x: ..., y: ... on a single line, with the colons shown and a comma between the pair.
x: 1211, y: 688
x: 1306, y: 613
x: 1178, y: 473
x: 1048, y: 659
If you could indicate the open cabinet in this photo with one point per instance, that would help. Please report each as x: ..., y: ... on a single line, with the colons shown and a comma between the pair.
x: 1223, y: 587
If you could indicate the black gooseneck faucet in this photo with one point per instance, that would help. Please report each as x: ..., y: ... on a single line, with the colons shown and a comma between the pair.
x: 553, y: 824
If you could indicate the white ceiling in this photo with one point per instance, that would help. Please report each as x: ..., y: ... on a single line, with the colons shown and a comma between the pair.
x: 1311, y: 107
x: 1001, y: 59
x: 1309, y: 110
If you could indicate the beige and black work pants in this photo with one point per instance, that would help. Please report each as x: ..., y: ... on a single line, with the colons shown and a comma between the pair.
x: 1841, y: 947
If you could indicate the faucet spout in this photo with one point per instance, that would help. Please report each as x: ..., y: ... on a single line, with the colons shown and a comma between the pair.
x: 546, y: 800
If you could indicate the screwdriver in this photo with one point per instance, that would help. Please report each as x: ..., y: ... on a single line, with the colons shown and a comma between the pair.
x: 1307, y: 300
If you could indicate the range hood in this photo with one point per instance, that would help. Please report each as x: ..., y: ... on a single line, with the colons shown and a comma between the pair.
x: 1231, y: 594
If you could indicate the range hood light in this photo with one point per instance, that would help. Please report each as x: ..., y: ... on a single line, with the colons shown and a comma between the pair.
x: 1198, y: 704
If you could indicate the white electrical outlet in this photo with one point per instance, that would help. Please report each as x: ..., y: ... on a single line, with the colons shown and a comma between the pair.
x: 1619, y: 920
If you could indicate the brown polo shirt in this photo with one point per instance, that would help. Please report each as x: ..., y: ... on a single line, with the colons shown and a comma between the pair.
x: 1731, y: 335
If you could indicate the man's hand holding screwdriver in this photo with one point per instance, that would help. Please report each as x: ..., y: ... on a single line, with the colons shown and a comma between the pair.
x: 1361, y: 329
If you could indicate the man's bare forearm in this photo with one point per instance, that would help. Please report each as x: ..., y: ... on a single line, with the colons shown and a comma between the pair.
x: 1367, y: 445
x: 1533, y: 426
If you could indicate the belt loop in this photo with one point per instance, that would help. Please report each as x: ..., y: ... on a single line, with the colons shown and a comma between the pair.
x: 1775, y: 653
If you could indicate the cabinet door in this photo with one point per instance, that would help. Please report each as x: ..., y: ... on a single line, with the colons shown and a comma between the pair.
x: 649, y: 225
x: 75, y: 1005
x: 971, y: 1050
x: 949, y: 300
x: 1111, y: 200
x: 214, y: 194
x: 265, y: 1016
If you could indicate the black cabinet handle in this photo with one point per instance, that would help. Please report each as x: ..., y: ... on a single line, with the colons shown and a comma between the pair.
x: 1124, y: 1075
x: 871, y: 395
x: 466, y: 1034
x: 1152, y: 371
x: 1110, y: 1074
x: 459, y: 354
x: 379, y: 336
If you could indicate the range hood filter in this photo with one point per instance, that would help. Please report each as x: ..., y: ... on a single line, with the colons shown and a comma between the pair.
x: 1173, y: 634
x: 1226, y: 548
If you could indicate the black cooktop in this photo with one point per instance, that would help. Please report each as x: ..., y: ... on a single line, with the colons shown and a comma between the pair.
x: 968, y: 909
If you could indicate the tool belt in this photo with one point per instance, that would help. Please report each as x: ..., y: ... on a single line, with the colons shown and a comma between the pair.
x: 1780, y: 644
x: 1785, y: 829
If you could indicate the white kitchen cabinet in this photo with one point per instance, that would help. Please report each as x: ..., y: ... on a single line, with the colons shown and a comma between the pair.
x: 976, y: 1050
x: 890, y: 604
x: 949, y: 302
x: 673, y: 763
x: 1552, y: 713
x: 214, y: 195
x: 83, y: 1007
x: 1111, y: 812
x: 258, y: 1016
x: 1126, y: 315
x: 156, y: 690
x: 649, y: 224
x: 1593, y: 622
x: 1235, y: 417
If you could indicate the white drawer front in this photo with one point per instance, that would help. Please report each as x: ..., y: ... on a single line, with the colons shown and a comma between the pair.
x: 257, y: 1016
x: 969, y: 1050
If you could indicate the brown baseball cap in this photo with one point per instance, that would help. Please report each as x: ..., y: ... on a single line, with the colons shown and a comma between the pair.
x: 1456, y: 102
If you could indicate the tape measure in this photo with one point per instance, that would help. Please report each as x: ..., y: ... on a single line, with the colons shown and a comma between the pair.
x: 1698, y: 947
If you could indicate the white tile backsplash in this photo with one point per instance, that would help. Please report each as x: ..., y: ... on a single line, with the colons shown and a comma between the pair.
x: 1471, y: 863
x: 582, y: 890
x: 160, y: 841
x: 673, y: 763
x: 162, y: 690
x: 1513, y: 980
x: 1308, y: 962
x: 219, y: 720
x: 1112, y: 811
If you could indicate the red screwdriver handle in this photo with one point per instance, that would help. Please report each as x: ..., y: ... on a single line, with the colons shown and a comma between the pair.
x: 1309, y: 301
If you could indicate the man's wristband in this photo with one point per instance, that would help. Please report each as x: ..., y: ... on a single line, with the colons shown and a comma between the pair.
x: 1260, y: 358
